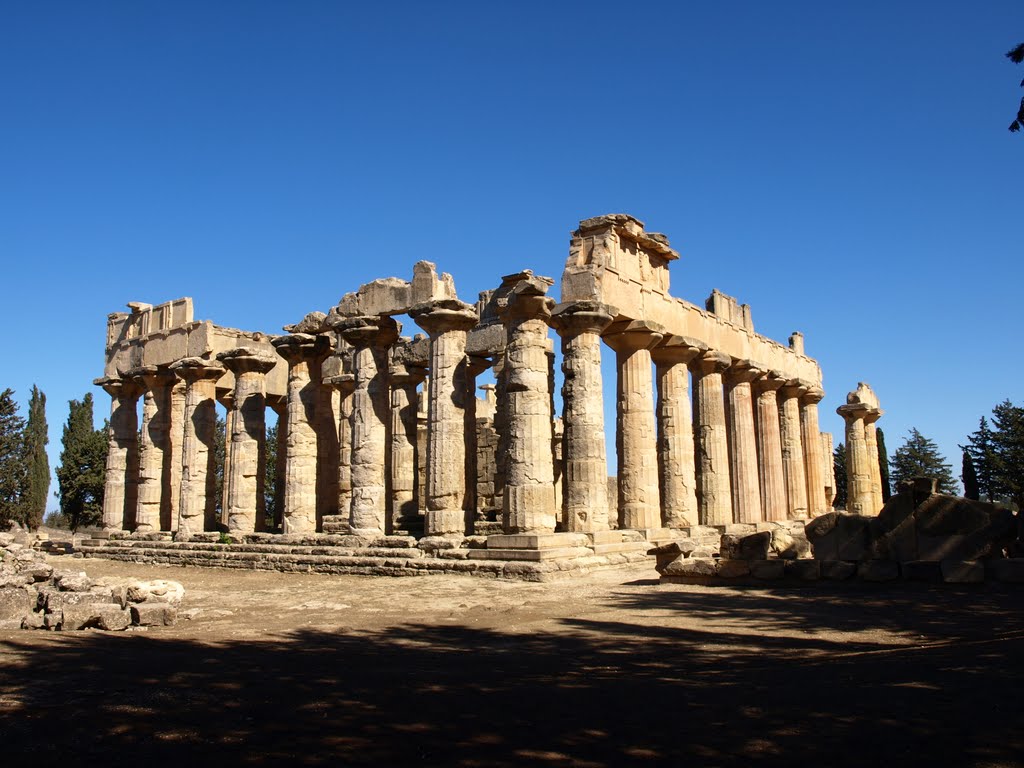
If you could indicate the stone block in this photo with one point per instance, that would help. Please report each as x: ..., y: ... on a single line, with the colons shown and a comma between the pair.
x: 733, y: 569
x: 72, y: 581
x: 852, y: 532
x: 837, y: 570
x: 821, y: 535
x: 805, y: 570
x: 157, y: 590
x: 767, y: 569
x: 15, y: 602
x: 878, y: 570
x: 692, y: 566
x: 1010, y: 570
x: 107, y: 616
x: 921, y: 570
x: 752, y: 546
x: 963, y: 571
x: 34, y: 620
x: 153, y: 614
x: 787, y: 546
x: 936, y: 548
x: 536, y: 540
x: 740, y: 529
x: 704, y: 551
x: 38, y: 572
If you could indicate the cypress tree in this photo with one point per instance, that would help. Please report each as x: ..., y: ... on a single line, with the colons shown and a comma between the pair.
x: 270, y: 489
x: 839, y: 467
x: 12, y: 459
x: 981, y: 448
x: 883, y: 467
x: 920, y: 457
x: 969, y: 477
x: 37, y: 464
x: 83, y: 460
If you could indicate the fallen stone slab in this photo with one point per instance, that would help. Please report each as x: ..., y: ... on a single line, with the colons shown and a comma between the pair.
x: 805, y: 570
x: 837, y: 570
x: 15, y: 602
x: 921, y: 570
x: 753, y: 546
x: 963, y: 571
x: 769, y: 570
x: 878, y: 570
x: 153, y: 614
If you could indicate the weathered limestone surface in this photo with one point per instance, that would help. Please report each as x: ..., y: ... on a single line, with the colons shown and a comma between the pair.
x: 714, y: 494
x: 874, y: 468
x: 529, y: 500
x: 677, y: 476
x: 828, y: 462
x: 154, y: 469
x: 793, y: 465
x: 861, y: 408
x: 810, y: 434
x: 120, y: 487
x: 245, y: 503
x: 405, y: 379
x: 583, y: 442
x: 176, y: 438
x: 198, y: 468
x: 769, y: 447
x: 304, y: 354
x: 639, y: 496
x: 746, y: 491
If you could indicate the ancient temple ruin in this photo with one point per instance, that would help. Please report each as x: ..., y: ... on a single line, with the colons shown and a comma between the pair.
x: 383, y: 434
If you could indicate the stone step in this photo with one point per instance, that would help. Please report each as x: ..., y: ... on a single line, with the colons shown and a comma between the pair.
x: 270, y: 549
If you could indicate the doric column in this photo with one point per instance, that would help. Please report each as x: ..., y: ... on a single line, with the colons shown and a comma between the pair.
x: 345, y: 385
x: 370, y: 338
x: 745, y: 485
x: 279, y: 404
x: 769, y: 447
x: 304, y: 354
x: 328, y: 450
x: 405, y: 378
x: 828, y: 462
x: 583, y: 442
x: 874, y: 468
x: 529, y: 502
x: 120, y: 487
x: 446, y: 322
x: 792, y: 449
x: 714, y: 494
x: 859, y: 498
x: 245, y: 503
x: 475, y: 365
x: 197, y: 498
x: 810, y: 434
x: 227, y: 399
x: 639, y: 502
x: 154, y: 448
x: 176, y: 437
x: 677, y: 473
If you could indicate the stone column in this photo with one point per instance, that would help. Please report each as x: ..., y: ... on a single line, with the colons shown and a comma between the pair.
x: 447, y: 322
x: 874, y: 468
x: 404, y: 504
x: 810, y: 434
x: 245, y: 503
x: 583, y: 442
x: 370, y: 338
x: 154, y: 448
x: 345, y: 384
x: 769, y: 447
x: 746, y: 487
x: 714, y: 492
x: 197, y: 498
x: 328, y: 450
x: 529, y: 501
x: 120, y: 487
x: 677, y: 472
x: 793, y: 450
x: 227, y: 399
x: 279, y: 404
x: 636, y: 435
x: 475, y: 365
x: 176, y: 437
x: 304, y: 354
x: 828, y: 461
x: 859, y: 497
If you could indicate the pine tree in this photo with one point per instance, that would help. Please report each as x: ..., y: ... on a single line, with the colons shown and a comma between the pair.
x: 981, y: 447
x: 12, y: 463
x: 82, y: 467
x: 839, y: 467
x: 969, y: 477
x: 37, y: 464
x: 883, y: 467
x: 1008, y: 447
x: 219, y: 453
x: 920, y: 457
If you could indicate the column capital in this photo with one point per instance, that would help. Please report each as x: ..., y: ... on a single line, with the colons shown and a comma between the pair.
x: 525, y: 305
x: 712, y: 361
x: 813, y: 395
x: 853, y: 411
x: 577, y: 317
x: 247, y: 360
x: 633, y: 335
x: 873, y: 415
x: 377, y: 331
x: 343, y: 382
x: 677, y: 349
x: 118, y: 386
x: 436, y: 317
x: 744, y: 372
x: 303, y: 347
x: 151, y: 376
x: 191, y: 369
x: 476, y: 364
x: 770, y: 381
x: 794, y: 388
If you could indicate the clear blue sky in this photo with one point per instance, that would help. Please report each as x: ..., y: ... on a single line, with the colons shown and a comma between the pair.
x: 844, y: 168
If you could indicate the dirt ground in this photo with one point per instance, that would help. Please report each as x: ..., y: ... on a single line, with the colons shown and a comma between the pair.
x: 443, y: 670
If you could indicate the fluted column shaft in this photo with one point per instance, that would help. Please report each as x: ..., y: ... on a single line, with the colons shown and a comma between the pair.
x: 583, y: 441
x: 769, y: 449
x: 197, y: 497
x: 304, y: 353
x: 176, y: 439
x: 714, y: 492
x: 370, y: 338
x: 745, y: 484
x: 120, y: 487
x: 529, y: 502
x: 792, y: 450
x: 828, y: 461
x: 810, y: 433
x: 874, y: 468
x: 154, y: 449
x: 475, y: 365
x: 246, y: 505
x: 404, y: 507
x: 859, y: 498
x: 677, y: 473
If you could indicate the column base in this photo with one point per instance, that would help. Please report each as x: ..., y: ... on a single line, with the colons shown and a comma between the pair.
x: 445, y: 522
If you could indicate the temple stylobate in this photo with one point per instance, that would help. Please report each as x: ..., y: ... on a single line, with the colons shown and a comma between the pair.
x: 381, y: 430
